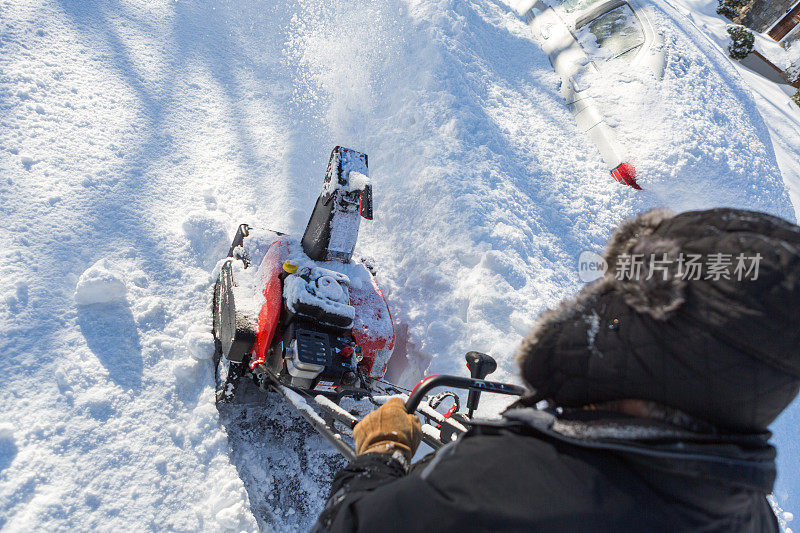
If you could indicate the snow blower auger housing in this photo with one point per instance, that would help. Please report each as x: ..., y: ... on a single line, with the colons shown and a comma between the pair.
x: 301, y: 312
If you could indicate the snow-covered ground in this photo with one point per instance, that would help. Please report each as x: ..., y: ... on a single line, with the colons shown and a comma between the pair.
x: 135, y: 135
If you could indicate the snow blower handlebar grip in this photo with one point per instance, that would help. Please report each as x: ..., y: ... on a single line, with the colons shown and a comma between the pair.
x: 480, y: 365
x: 442, y: 380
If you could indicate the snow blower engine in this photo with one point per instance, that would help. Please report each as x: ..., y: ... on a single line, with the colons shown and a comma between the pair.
x: 302, y: 312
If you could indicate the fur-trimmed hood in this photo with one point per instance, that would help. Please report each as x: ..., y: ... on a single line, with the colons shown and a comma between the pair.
x: 722, y: 347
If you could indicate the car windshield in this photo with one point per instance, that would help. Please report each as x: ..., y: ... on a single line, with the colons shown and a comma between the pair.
x: 571, y: 6
x: 612, y: 35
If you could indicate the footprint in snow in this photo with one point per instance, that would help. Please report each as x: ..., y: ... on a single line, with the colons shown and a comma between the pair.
x: 208, y: 237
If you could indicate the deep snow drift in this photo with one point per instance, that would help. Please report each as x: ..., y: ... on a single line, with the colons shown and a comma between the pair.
x: 135, y: 135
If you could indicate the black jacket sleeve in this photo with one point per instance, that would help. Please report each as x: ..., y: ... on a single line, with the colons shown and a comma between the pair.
x: 366, y: 473
x: 519, y: 483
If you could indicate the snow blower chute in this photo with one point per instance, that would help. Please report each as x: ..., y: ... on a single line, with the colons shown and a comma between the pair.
x: 301, y: 317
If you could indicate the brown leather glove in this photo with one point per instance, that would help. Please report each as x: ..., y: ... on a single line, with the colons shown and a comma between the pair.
x: 388, y: 429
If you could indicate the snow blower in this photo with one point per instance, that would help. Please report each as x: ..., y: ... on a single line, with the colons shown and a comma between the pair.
x: 303, y: 318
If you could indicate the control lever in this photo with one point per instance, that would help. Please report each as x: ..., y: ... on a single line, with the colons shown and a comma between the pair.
x: 480, y: 365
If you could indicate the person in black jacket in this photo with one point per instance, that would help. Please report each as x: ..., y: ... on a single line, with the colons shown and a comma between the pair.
x: 660, y: 380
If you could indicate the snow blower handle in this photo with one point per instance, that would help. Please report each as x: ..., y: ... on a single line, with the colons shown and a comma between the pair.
x: 480, y: 365
x: 443, y: 380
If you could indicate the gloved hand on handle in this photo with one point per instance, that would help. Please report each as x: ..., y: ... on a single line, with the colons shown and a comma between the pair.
x: 388, y: 429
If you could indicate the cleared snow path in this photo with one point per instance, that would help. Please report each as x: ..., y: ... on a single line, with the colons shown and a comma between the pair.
x: 135, y: 135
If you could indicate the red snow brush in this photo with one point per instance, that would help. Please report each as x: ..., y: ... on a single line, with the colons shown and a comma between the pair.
x: 626, y: 174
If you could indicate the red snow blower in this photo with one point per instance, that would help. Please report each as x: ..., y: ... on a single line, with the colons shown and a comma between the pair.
x: 303, y: 318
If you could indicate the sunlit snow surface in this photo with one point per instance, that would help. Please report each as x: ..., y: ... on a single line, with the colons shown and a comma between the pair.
x: 140, y: 133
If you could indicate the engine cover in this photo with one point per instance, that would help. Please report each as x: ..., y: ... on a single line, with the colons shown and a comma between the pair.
x: 321, y: 294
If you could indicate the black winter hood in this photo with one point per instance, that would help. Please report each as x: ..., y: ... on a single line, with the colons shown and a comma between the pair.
x: 719, y: 341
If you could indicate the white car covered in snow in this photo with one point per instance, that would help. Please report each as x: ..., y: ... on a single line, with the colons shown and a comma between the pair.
x: 588, y: 36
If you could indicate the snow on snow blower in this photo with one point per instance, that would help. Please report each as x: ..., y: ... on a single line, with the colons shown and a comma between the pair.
x: 301, y: 317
